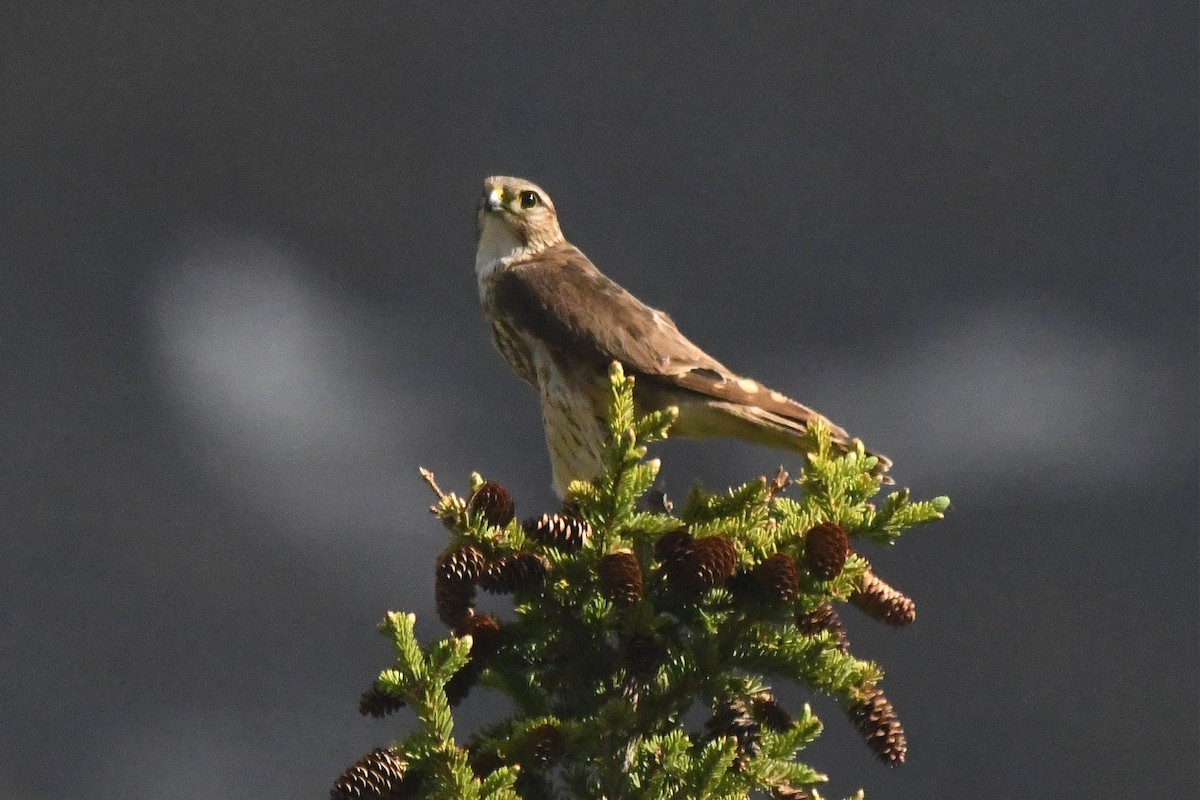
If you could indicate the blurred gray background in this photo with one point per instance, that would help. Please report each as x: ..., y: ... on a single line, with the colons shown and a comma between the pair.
x: 238, y: 310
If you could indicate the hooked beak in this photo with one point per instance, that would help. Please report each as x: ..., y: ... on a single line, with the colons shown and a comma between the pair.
x: 493, y: 201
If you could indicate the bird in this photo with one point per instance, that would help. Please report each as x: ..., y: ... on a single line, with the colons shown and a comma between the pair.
x: 560, y: 323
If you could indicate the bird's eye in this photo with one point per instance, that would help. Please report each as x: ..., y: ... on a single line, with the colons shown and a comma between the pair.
x: 529, y: 199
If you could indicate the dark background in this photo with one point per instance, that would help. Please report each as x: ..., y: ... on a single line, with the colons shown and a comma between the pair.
x: 238, y: 310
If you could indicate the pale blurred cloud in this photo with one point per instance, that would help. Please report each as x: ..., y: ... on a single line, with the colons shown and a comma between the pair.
x: 1014, y: 393
x: 283, y: 393
x: 290, y: 397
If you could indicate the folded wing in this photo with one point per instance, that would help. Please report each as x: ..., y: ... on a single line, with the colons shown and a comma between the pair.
x: 565, y: 301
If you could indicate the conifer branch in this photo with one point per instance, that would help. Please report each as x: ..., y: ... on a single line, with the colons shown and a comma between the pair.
x: 626, y: 616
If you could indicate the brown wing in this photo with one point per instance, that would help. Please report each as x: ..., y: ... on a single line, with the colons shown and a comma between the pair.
x: 562, y: 299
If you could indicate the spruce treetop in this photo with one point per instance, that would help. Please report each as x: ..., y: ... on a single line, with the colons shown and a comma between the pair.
x: 627, y: 615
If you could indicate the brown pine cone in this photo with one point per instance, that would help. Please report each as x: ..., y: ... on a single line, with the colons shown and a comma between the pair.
x: 824, y: 618
x: 766, y: 709
x: 463, y: 563
x: 459, y: 685
x: 620, y: 578
x: 744, y: 587
x: 642, y: 654
x: 876, y: 720
x: 673, y: 546
x: 512, y: 573
x: 825, y: 549
x: 560, y: 531
x: 454, y: 599
x: 377, y: 704
x: 494, y: 503
x: 879, y: 601
x: 733, y: 719
x: 483, y: 762
x: 484, y: 630
x: 709, y: 563
x: 544, y: 747
x: 777, y: 579
x: 379, y: 775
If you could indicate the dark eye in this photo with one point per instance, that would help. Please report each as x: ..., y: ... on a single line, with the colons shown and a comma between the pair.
x: 529, y: 199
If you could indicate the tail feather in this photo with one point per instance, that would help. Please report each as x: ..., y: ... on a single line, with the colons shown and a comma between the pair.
x: 707, y: 418
x: 716, y: 404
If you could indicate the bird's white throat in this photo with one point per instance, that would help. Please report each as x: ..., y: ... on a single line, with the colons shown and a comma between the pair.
x: 497, y: 246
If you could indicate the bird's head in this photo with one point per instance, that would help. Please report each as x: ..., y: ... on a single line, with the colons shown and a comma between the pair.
x: 515, y: 218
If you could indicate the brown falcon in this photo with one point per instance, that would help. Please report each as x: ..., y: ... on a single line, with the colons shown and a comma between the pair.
x: 560, y: 322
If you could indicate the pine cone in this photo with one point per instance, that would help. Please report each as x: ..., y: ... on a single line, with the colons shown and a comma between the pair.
x: 656, y: 500
x: 744, y: 587
x: 876, y: 720
x: 643, y: 655
x: 459, y: 685
x: 824, y: 618
x: 733, y: 719
x: 483, y: 762
x: 494, y: 503
x: 512, y: 573
x: 544, y: 747
x: 378, y: 704
x: 463, y: 563
x: 484, y: 630
x: 454, y: 599
x: 560, y: 531
x: 673, y: 546
x: 880, y: 601
x: 620, y: 578
x: 777, y: 579
x: 379, y: 775
x: 709, y: 563
x: 766, y: 709
x: 825, y: 549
